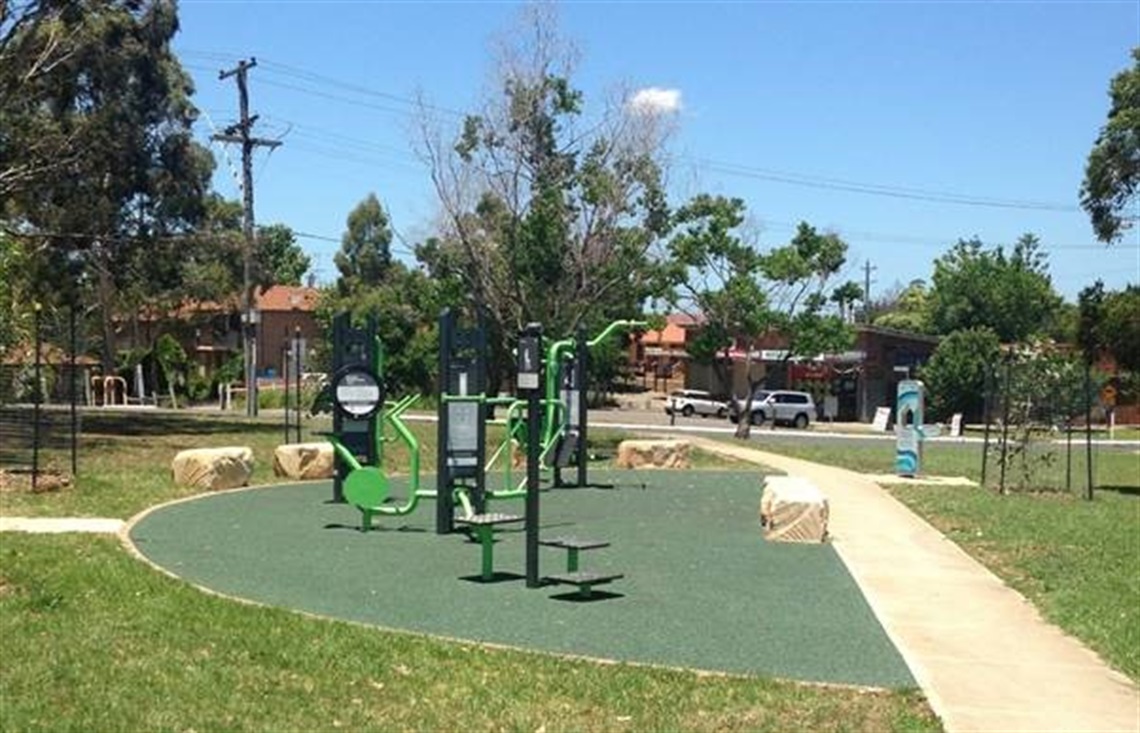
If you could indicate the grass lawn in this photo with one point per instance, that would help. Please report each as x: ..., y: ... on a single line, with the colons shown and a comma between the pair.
x: 92, y: 639
x: 124, y: 459
x: 1114, y: 467
x: 1076, y: 560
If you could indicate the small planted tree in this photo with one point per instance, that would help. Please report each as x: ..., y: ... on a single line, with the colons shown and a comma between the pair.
x: 1042, y: 391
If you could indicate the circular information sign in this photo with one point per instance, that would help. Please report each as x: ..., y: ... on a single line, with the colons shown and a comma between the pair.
x: 357, y: 392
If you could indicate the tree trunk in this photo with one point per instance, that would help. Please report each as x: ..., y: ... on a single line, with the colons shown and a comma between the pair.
x: 744, y: 419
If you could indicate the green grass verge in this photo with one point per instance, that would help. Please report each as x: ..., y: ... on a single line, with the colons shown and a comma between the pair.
x: 124, y: 459
x: 1114, y: 468
x: 1075, y: 559
x: 94, y: 640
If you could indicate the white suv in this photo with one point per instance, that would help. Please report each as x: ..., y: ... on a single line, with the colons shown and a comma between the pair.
x: 779, y: 406
x: 689, y: 402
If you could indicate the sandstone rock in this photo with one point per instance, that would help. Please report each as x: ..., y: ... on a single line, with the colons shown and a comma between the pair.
x: 303, y: 461
x: 653, y: 454
x: 213, y: 468
x: 793, y: 509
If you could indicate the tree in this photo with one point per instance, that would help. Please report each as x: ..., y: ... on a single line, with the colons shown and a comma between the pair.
x: 544, y: 218
x: 404, y: 302
x: 279, y: 260
x: 740, y: 294
x: 907, y: 309
x: 956, y: 374
x: 15, y: 301
x: 845, y: 297
x: 1110, y: 323
x: 365, y: 255
x: 212, y: 256
x: 716, y: 281
x: 1122, y: 327
x: 1011, y: 294
x: 1112, y: 174
x: 99, y: 134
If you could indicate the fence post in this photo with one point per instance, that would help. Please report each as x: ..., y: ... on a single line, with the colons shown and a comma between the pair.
x: 37, y: 396
x: 987, y: 400
x: 71, y: 377
x: 1088, y: 430
x: 1005, y: 421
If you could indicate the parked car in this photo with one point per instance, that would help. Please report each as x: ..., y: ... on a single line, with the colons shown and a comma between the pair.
x: 780, y: 406
x: 689, y: 402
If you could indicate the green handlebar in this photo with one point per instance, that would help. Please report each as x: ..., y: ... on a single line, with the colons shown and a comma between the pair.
x: 551, y: 426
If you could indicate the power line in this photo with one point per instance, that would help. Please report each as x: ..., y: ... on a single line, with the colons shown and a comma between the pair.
x: 874, y: 189
x: 775, y: 176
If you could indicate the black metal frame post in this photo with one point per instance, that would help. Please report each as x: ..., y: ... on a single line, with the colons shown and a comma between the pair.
x: 582, y: 354
x: 352, y: 347
x: 462, y: 426
x: 530, y: 380
x: 444, y: 501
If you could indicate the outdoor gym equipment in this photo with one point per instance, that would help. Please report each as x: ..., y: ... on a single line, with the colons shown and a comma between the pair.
x: 358, y: 398
x: 359, y: 347
x: 564, y: 419
x: 530, y: 368
x: 463, y: 409
x: 462, y: 463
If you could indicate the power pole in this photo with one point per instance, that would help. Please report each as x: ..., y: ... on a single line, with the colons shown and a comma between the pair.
x: 867, y: 270
x: 239, y: 133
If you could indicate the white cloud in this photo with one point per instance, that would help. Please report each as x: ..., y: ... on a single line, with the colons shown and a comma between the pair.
x: 655, y: 101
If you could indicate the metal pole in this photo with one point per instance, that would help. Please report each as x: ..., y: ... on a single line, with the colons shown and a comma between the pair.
x: 534, y: 438
x: 583, y: 373
x: 297, y: 374
x: 1005, y: 423
x: 987, y: 406
x: 1068, y: 454
x: 74, y: 397
x: 285, y: 376
x: 444, y: 506
x: 1088, y: 430
x: 36, y: 399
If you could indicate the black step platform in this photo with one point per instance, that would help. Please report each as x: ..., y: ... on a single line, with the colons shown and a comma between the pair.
x: 574, y: 543
x: 488, y: 520
x: 584, y: 580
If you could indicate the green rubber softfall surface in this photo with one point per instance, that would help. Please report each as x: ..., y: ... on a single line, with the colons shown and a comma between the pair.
x: 702, y: 589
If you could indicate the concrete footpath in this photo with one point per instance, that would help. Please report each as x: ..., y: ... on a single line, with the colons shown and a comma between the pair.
x: 56, y: 525
x: 983, y: 655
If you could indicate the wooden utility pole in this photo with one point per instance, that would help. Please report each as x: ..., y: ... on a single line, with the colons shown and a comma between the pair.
x: 867, y: 270
x: 239, y: 133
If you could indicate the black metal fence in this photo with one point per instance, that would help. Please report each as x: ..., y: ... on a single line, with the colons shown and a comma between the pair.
x: 43, y: 381
x: 1044, y: 425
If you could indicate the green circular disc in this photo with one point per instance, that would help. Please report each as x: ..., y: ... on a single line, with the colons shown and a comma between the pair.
x: 366, y: 487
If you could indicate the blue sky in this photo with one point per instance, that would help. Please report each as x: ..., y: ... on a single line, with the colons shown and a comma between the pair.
x: 995, y: 102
